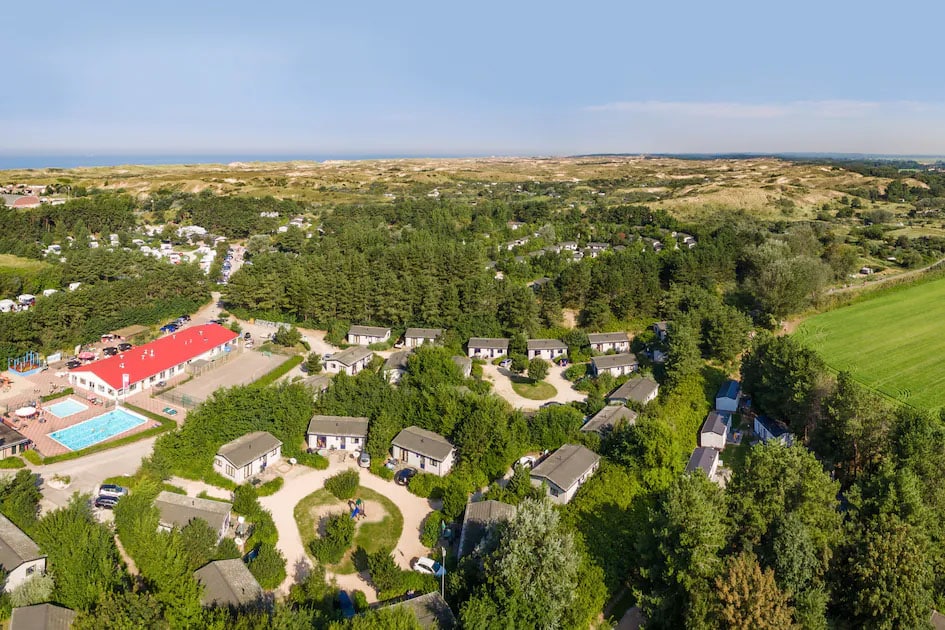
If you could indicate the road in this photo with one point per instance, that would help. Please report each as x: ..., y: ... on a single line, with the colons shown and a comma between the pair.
x: 499, y: 377
x: 882, y: 279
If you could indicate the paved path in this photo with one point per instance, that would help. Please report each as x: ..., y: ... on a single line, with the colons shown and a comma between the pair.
x: 301, y: 482
x: 499, y: 377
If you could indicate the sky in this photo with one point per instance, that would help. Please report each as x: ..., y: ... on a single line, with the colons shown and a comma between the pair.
x: 472, y: 78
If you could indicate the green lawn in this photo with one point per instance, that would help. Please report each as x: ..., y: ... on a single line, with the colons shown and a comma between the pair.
x: 373, y: 536
x: 533, y: 391
x: 893, y: 342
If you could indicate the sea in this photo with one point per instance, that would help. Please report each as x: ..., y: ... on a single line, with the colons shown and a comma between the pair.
x: 16, y: 162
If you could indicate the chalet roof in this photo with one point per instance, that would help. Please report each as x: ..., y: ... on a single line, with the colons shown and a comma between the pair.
x: 423, y: 333
x: 249, y: 448
x: 546, y: 344
x: 714, y: 423
x: 228, y: 583
x: 317, y: 382
x: 615, y: 360
x: 487, y: 342
x: 369, y: 331
x: 15, y: 546
x: 479, y: 516
x: 729, y: 389
x: 397, y: 360
x: 352, y: 355
x: 41, y: 617
x: 346, y: 426
x: 176, y: 510
x: 565, y: 466
x: 607, y: 337
x: 702, y: 459
x: 638, y: 389
x: 431, y: 610
x: 609, y: 417
x: 423, y: 442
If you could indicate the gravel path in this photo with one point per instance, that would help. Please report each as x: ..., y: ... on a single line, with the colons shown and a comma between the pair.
x: 502, y: 384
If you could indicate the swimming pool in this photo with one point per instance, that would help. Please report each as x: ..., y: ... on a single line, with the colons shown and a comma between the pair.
x: 98, y: 429
x: 66, y: 408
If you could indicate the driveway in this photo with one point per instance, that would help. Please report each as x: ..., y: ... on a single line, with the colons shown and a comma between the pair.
x: 301, y: 482
x: 499, y: 377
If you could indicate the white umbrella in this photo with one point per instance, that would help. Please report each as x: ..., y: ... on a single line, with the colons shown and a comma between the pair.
x: 25, y: 412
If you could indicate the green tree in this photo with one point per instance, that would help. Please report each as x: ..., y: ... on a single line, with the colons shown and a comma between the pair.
x: 199, y: 541
x: 749, y: 598
x: 268, y: 567
x: 537, y: 369
x: 19, y: 500
x: 122, y: 610
x: 313, y: 364
x: 684, y: 357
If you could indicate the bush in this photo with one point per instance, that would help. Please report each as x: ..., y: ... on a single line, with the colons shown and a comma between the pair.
x: 245, y: 500
x: 344, y: 485
x: 339, y: 534
x: 264, y: 529
x: 432, y: 526
x: 360, y: 601
x: 33, y: 457
x: 426, y: 485
x: 382, y: 471
x: 66, y: 392
x: 12, y: 462
x: 454, y: 500
x: 279, y: 371
x: 390, y: 581
x: 270, y: 487
x: 268, y: 567
x: 312, y: 460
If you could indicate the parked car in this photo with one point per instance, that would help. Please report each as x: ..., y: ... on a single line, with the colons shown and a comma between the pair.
x: 345, y: 604
x: 110, y: 351
x: 429, y: 566
x: 169, y: 328
x: 247, y: 335
x: 105, y: 502
x: 364, y: 460
x: 73, y: 364
x: 403, y: 476
x: 185, y: 318
x: 112, y: 490
x: 505, y: 363
x: 125, y: 347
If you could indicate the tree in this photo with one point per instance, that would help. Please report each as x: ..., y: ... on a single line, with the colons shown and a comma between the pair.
x: 121, y: 610
x: 854, y: 434
x: 288, y: 337
x: 537, y: 369
x: 749, y: 598
x: 19, y: 500
x: 199, y: 541
x: 36, y: 590
x: 531, y: 576
x: 268, y: 567
x: 313, y: 365
x: 684, y: 357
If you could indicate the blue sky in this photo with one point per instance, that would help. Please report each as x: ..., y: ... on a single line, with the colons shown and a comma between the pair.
x: 434, y: 78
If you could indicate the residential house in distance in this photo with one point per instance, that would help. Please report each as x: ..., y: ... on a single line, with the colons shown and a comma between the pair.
x: 547, y: 349
x: 228, y: 583
x: 769, y: 429
x: 614, y: 364
x: 42, y: 617
x: 539, y: 283
x: 12, y: 441
x: 565, y: 470
x: 431, y: 610
x: 20, y: 557
x: 425, y: 450
x: 176, y: 510
x: 366, y: 335
x: 318, y: 383
x: 464, y: 364
x: 608, y: 418
x: 514, y: 225
x: 341, y: 432
x: 727, y: 397
x: 350, y: 360
x: 418, y: 336
x: 662, y: 330
x: 706, y: 459
x: 247, y: 456
x: 569, y: 246
x: 640, y: 390
x: 480, y: 516
x: 714, y: 431
x: 396, y: 366
x: 487, y: 348
x: 607, y: 342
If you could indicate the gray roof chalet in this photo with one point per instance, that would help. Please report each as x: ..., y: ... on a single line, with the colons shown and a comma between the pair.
x: 639, y: 390
x: 565, y: 466
x: 423, y: 442
x: 464, y: 363
x: 609, y: 417
x: 176, y: 510
x: 10, y: 436
x: 714, y: 423
x: 702, y: 459
x: 346, y: 426
x: 546, y: 344
x: 41, y: 617
x: 369, y: 331
x: 423, y: 333
x: 487, y: 342
x: 248, y: 448
x: 15, y: 546
x: 615, y: 360
x: 431, y: 610
x: 228, y: 583
x: 397, y: 361
x: 478, y: 518
x: 615, y: 337
x: 350, y: 356
x: 317, y: 382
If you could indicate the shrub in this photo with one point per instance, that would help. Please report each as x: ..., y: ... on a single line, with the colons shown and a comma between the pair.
x: 382, y: 471
x: 426, y: 485
x: 312, y: 460
x: 33, y: 457
x: 66, y: 392
x: 432, y: 525
x: 339, y: 534
x: 454, y: 500
x: 270, y: 487
x: 264, y: 529
x: 12, y: 462
x: 360, y: 601
x: 245, y: 500
x: 268, y: 567
x: 344, y: 485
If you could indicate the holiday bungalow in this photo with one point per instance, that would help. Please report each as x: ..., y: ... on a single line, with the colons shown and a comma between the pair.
x: 727, y: 397
x: 340, y: 432
x: 606, y: 342
x: 247, y: 456
x: 366, y: 335
x: 614, y: 364
x: 426, y: 450
x: 177, y: 510
x: 396, y: 366
x: 485, y: 348
x: 640, y: 390
x: 547, y: 349
x: 20, y: 557
x: 140, y: 368
x: 706, y: 459
x: 228, y: 583
x: 481, y: 517
x: 418, y: 336
x: 350, y: 360
x: 464, y: 364
x: 12, y: 442
x: 661, y: 329
x: 714, y: 431
x: 564, y: 471
x: 41, y: 617
x: 769, y: 429
x: 609, y: 417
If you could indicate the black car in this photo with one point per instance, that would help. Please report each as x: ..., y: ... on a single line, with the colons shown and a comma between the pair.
x: 125, y: 347
x: 247, y: 336
x: 403, y: 477
x: 185, y: 318
x: 110, y: 351
x: 73, y: 364
x: 105, y: 502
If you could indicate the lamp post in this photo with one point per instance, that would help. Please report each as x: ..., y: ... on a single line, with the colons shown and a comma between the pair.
x: 443, y: 576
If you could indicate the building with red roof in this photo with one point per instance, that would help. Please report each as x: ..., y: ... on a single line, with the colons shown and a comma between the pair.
x: 27, y: 201
x: 143, y: 366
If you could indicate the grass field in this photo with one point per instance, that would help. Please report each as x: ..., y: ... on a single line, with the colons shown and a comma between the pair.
x: 9, y: 261
x: 527, y: 388
x: 893, y: 342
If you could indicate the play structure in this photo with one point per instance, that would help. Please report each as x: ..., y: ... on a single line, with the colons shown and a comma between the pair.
x: 26, y: 365
x: 357, y: 509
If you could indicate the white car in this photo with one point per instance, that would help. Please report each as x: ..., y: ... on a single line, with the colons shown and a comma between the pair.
x: 429, y: 566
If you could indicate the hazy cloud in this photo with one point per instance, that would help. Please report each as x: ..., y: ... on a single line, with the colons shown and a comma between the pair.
x: 733, y: 110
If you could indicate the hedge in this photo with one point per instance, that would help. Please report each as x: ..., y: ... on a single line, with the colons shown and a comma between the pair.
x: 33, y: 457
x: 166, y: 424
x: 279, y: 371
x: 12, y: 462
x: 66, y: 392
x: 344, y: 485
x: 270, y: 487
x: 312, y: 460
x: 430, y: 531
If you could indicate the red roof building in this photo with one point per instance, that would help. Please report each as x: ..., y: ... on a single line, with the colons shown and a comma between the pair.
x: 28, y: 201
x: 156, y: 361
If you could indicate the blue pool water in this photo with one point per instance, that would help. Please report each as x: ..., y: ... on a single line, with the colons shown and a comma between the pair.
x: 98, y: 429
x: 66, y: 408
